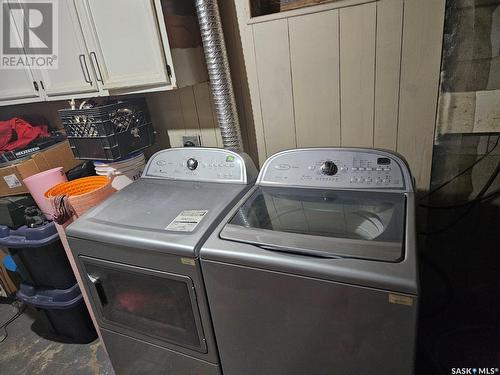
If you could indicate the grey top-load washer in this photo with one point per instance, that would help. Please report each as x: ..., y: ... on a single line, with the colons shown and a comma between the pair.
x: 318, y: 261
x: 138, y: 255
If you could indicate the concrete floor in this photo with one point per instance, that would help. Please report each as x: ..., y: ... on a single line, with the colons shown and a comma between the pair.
x: 26, y: 353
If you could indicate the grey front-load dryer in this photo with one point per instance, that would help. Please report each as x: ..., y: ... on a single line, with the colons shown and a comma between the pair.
x: 315, y: 270
x: 138, y: 255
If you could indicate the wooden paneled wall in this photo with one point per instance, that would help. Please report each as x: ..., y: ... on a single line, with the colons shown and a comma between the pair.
x: 185, y: 111
x: 354, y: 73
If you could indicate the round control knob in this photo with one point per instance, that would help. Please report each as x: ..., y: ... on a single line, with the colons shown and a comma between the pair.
x: 192, y: 164
x: 329, y: 168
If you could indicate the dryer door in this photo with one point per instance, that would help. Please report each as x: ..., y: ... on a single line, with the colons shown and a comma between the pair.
x: 151, y: 305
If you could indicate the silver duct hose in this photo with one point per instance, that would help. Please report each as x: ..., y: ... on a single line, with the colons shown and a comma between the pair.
x: 219, y: 73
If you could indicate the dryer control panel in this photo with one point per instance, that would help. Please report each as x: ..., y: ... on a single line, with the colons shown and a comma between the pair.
x: 201, y: 164
x: 336, y: 168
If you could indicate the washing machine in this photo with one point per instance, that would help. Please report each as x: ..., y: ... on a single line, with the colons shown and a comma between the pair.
x: 138, y: 253
x: 315, y: 270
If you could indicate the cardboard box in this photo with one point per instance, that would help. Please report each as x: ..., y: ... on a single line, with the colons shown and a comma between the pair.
x: 11, y: 176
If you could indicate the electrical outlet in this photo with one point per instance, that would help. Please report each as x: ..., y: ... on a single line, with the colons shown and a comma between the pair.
x: 191, y: 140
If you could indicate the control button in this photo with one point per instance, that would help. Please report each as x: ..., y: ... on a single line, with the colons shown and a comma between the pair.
x: 368, y: 169
x: 380, y: 169
x: 361, y: 169
x: 387, y: 168
x: 282, y: 167
x: 344, y: 168
x: 378, y: 181
x: 354, y: 168
x: 192, y: 164
x: 369, y: 180
x: 329, y: 168
x: 385, y: 181
x: 161, y: 162
x: 311, y: 167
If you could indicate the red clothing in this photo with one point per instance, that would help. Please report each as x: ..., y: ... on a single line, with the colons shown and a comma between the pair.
x: 17, y: 133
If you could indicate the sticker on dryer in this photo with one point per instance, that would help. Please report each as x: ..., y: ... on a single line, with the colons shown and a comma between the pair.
x: 187, y: 220
x: 188, y: 261
x: 400, y: 300
x: 12, y: 181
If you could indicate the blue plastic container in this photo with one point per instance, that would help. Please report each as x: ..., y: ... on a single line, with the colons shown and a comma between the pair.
x: 62, y: 313
x: 39, y: 256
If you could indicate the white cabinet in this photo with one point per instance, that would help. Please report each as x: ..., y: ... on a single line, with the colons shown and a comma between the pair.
x: 128, y: 45
x: 74, y: 73
x: 111, y: 47
x: 18, y: 85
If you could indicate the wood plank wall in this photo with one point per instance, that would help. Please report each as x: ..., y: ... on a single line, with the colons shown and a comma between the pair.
x: 360, y: 73
x: 185, y: 111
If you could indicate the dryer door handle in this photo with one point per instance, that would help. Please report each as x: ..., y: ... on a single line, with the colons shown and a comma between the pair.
x: 96, y: 281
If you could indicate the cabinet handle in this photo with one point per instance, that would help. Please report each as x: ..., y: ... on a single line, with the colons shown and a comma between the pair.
x: 85, y: 70
x: 93, y: 58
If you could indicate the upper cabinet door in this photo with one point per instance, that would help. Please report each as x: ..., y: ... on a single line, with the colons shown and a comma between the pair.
x: 74, y: 74
x: 128, y: 48
x: 17, y: 84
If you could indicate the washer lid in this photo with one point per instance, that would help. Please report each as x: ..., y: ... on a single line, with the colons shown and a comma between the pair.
x: 165, y: 215
x: 322, y: 222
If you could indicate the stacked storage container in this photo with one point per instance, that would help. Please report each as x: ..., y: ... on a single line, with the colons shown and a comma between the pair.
x: 108, y: 132
x: 48, y: 283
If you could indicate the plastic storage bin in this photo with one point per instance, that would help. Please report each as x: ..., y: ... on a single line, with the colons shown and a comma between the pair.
x: 60, y: 312
x: 108, y: 132
x: 39, y: 255
x: 11, y: 268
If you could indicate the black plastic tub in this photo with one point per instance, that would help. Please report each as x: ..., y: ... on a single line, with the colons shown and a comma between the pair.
x: 61, y: 314
x: 39, y: 256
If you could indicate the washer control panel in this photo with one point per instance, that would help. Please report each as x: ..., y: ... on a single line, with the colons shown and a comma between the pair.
x: 200, y: 164
x: 336, y: 168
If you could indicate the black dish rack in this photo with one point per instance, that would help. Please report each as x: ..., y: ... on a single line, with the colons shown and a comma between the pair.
x: 108, y: 132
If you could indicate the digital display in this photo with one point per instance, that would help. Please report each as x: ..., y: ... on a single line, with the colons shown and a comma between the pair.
x: 383, y: 161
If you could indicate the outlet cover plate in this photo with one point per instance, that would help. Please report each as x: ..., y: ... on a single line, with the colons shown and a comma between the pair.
x: 191, y: 141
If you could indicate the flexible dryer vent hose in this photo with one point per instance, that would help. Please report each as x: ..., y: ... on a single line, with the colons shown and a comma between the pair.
x: 219, y: 73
